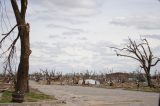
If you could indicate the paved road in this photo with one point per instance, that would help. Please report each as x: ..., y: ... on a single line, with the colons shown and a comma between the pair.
x: 88, y: 96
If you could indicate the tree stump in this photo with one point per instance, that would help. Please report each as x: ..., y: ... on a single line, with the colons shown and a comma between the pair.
x: 18, y: 97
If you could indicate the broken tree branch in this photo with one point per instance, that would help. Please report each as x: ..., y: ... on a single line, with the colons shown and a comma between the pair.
x: 156, y: 62
x: 6, y: 35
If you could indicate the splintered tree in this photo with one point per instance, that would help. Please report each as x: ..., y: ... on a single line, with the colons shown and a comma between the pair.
x: 19, y: 10
x: 140, y: 52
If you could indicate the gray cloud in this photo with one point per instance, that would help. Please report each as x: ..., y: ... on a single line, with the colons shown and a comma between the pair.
x: 57, y: 49
x: 156, y: 37
x: 64, y: 27
x: 53, y: 36
x: 64, y: 37
x: 46, y: 10
x: 69, y: 7
x: 71, y: 33
x: 101, y: 49
x: 39, y: 45
x: 68, y: 30
x: 81, y: 38
x: 145, y: 22
x: 43, y: 49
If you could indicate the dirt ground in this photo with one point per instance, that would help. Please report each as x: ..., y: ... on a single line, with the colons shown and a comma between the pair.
x: 89, y: 96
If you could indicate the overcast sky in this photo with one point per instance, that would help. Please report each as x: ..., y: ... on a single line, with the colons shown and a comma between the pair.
x: 75, y: 35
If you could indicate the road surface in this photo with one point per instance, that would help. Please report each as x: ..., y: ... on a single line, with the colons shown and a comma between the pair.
x: 89, y: 96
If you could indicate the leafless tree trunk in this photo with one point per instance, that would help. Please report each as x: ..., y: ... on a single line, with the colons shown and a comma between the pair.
x: 142, y: 53
x: 23, y: 34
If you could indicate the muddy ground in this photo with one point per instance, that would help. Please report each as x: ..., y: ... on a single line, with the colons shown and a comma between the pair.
x: 90, y: 96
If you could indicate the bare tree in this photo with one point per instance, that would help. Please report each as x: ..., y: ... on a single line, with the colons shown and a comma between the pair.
x: 37, y: 76
x: 49, y: 75
x: 19, y: 10
x: 140, y: 52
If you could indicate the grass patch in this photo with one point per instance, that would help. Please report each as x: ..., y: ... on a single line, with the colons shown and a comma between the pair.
x: 32, y: 96
x: 6, y: 97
